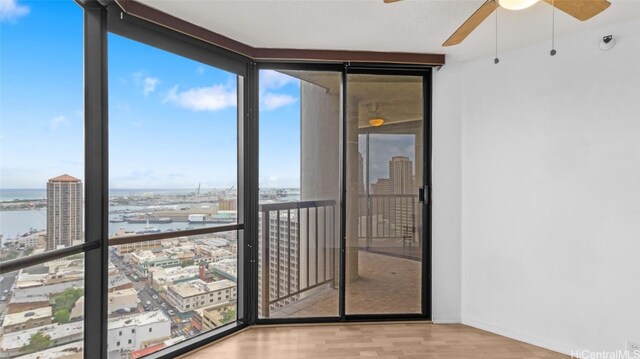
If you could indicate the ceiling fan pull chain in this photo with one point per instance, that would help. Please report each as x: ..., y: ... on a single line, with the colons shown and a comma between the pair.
x: 496, y: 59
x: 553, y: 28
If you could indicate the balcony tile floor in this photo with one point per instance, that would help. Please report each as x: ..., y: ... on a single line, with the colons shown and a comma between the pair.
x: 386, y: 285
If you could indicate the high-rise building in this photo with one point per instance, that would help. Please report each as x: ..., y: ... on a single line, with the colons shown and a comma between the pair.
x: 401, y: 175
x: 64, y: 211
x: 288, y: 255
x: 401, y: 178
x: 396, y: 199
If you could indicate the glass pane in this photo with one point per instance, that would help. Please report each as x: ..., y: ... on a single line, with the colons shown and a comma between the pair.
x: 41, y: 127
x: 172, y: 141
x: 173, y: 166
x: 384, y: 216
x: 299, y: 193
x: 42, y: 310
x: 163, y: 292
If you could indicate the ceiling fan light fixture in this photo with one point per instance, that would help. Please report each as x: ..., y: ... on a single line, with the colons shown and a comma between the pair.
x: 516, y: 4
x: 375, y: 122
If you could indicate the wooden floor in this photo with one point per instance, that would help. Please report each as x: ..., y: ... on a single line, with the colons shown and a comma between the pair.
x: 406, y: 340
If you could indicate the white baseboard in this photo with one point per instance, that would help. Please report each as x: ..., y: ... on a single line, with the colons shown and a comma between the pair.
x: 542, y: 343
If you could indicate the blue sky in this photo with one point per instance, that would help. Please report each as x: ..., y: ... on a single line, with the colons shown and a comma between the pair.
x: 172, y: 120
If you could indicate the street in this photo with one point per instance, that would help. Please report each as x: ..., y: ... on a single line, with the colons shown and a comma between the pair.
x: 145, y: 294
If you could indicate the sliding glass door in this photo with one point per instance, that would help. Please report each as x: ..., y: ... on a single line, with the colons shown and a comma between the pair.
x: 384, y: 177
x: 342, y: 202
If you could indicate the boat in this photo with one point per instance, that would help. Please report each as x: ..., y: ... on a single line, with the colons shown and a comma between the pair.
x: 149, y: 220
x: 148, y: 229
x: 118, y: 219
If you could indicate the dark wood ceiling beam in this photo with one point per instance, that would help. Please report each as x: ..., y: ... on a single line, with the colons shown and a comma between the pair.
x: 143, y: 11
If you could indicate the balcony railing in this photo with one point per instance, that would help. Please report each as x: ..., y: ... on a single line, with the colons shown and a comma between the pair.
x: 385, y: 220
x: 298, y: 251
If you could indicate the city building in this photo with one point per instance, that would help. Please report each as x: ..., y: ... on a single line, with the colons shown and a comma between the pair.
x: 198, y: 294
x: 206, y: 319
x: 283, y: 243
x: 137, y: 331
x: 32, y: 240
x: 145, y: 259
x: 161, y: 277
x: 61, y: 336
x: 21, y: 321
x: 228, y: 204
x: 123, y: 249
x: 64, y: 212
x: 125, y: 299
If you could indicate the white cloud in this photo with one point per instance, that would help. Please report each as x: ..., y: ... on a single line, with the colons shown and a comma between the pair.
x: 273, y: 80
x: 270, y: 80
x: 213, y: 98
x: 272, y: 101
x: 10, y: 10
x: 58, y: 122
x: 146, y: 82
x: 150, y: 84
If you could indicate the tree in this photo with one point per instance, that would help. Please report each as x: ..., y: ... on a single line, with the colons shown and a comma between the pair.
x: 228, y: 316
x: 188, y: 262
x: 62, y: 316
x: 64, y: 302
x: 37, y: 342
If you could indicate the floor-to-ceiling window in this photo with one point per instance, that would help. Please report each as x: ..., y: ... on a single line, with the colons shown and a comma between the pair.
x: 173, y: 173
x: 41, y: 178
x: 175, y: 192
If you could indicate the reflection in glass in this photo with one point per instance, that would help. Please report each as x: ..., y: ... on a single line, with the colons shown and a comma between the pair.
x: 384, y: 216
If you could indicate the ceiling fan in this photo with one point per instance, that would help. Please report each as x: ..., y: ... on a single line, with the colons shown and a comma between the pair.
x: 580, y: 9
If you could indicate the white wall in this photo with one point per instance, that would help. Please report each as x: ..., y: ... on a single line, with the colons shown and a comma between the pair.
x: 550, y: 168
x: 447, y: 194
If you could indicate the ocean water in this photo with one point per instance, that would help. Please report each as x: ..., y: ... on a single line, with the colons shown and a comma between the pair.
x: 14, y: 223
x: 14, y: 194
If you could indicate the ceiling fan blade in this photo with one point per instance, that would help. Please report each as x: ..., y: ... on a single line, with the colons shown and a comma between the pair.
x: 580, y: 9
x: 472, y: 22
x: 390, y: 1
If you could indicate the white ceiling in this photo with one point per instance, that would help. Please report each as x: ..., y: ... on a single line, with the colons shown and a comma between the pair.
x: 406, y: 26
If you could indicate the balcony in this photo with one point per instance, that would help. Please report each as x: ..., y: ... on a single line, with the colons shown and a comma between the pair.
x: 303, y: 275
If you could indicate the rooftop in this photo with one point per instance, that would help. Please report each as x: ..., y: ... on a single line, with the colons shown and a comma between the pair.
x: 196, y: 287
x: 22, y: 317
x: 55, y: 331
x: 156, y: 316
x: 64, y: 178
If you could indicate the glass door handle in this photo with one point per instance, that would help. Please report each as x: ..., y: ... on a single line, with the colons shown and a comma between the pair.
x: 424, y: 194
